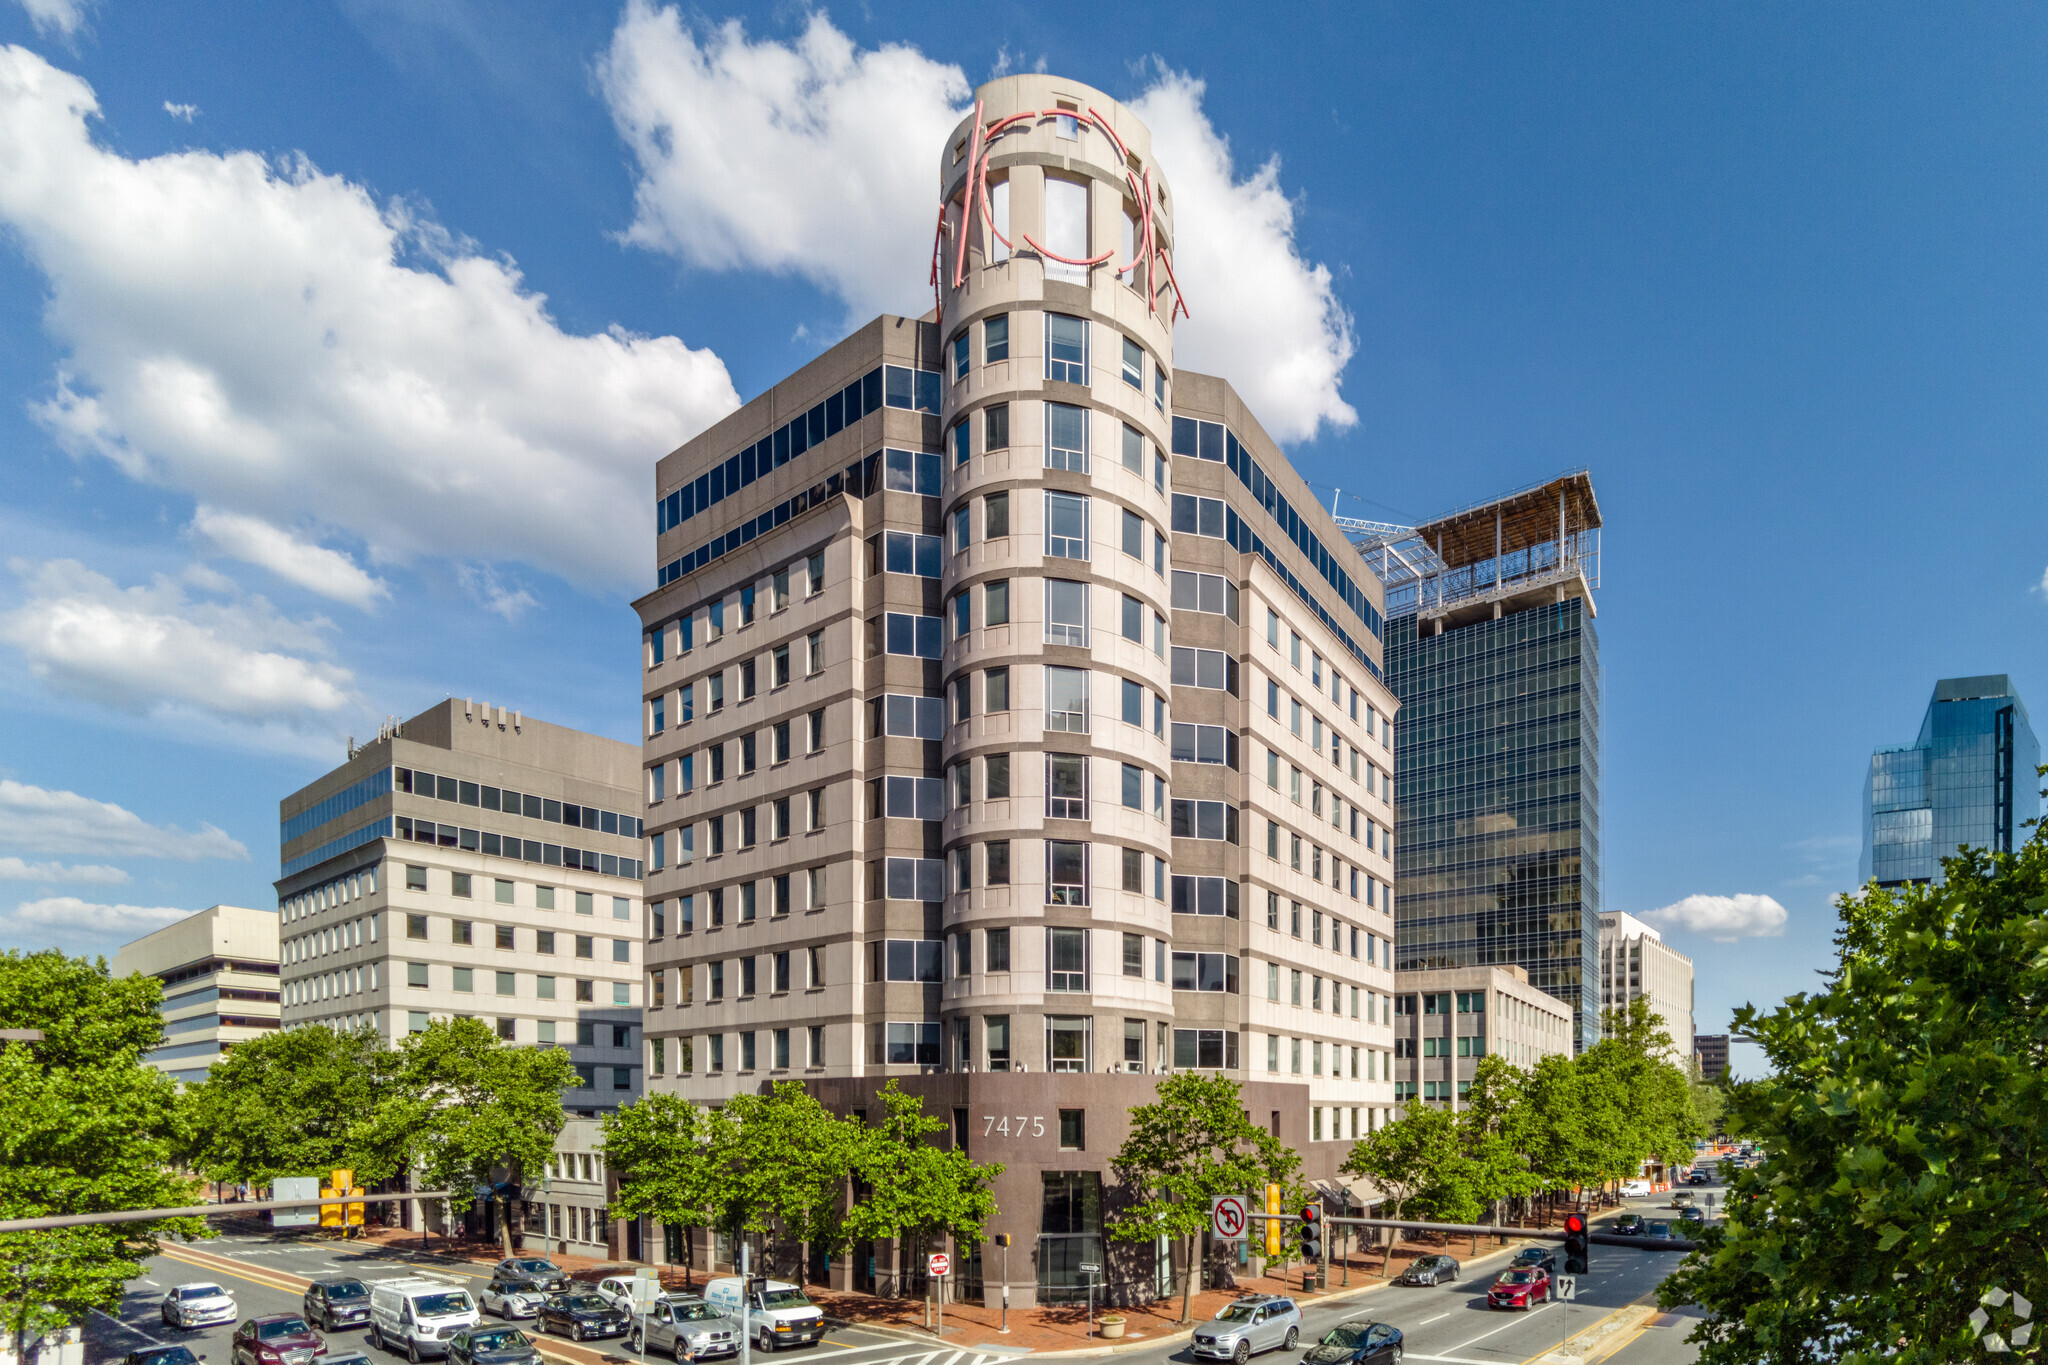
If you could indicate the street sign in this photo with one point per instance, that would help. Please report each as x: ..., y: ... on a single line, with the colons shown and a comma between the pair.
x: 1091, y: 1269
x: 1567, y: 1287
x: 1227, y: 1217
x: 938, y: 1264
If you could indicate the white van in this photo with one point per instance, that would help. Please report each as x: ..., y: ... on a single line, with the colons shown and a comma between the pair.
x: 1635, y: 1189
x: 778, y: 1314
x: 418, y: 1315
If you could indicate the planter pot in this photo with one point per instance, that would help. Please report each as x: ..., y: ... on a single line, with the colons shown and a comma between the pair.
x: 1111, y: 1329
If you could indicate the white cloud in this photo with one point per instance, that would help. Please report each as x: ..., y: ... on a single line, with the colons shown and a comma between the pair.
x: 1723, y: 919
x: 99, y: 874
x: 1260, y: 315
x: 273, y: 341
x: 819, y: 159
x: 154, y: 651
x: 183, y: 112
x: 295, y: 559
x: 60, y: 17
x: 70, y: 914
x: 482, y: 583
x: 45, y: 821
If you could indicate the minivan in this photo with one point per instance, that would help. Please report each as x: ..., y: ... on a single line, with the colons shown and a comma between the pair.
x: 418, y: 1316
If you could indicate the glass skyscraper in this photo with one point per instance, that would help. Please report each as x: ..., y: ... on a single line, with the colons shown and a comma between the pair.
x: 1492, y: 651
x: 1967, y: 781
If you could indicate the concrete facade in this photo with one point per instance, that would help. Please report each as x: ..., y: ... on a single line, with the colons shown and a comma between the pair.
x: 1712, y: 1051
x: 400, y: 905
x: 1635, y: 960
x: 220, y: 975
x: 1014, y: 727
x: 1445, y: 1021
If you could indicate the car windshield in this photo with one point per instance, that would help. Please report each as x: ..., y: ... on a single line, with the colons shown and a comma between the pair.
x: 1238, y: 1312
x: 201, y: 1291
x: 1344, y: 1336
x: 587, y: 1303
x: 695, y: 1312
x: 785, y: 1298
x: 1519, y: 1277
x: 1531, y: 1256
x: 172, y: 1355
x: 498, y: 1341
x: 537, y: 1267
x: 347, y: 1289
x: 282, y: 1327
x: 441, y: 1305
x: 1660, y: 1229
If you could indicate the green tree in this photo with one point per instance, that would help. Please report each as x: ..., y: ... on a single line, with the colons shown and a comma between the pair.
x: 1191, y: 1144
x: 85, y: 1127
x: 780, y: 1163
x: 660, y: 1149
x: 1905, y: 1119
x: 1495, y: 1129
x: 295, y: 1102
x: 1419, y: 1162
x: 912, y: 1184
x: 1709, y: 1100
x: 467, y: 1109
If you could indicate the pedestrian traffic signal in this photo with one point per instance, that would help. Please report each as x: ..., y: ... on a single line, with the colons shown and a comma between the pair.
x: 1577, y: 1249
x: 1311, y: 1233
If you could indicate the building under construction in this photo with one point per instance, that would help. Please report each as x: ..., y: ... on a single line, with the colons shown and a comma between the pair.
x: 1492, y: 651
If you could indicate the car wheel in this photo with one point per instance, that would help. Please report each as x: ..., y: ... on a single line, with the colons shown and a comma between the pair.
x: 1293, y: 1337
x: 575, y: 1331
x: 412, y: 1350
x: 1242, y: 1353
x: 376, y: 1337
x: 767, y: 1342
x: 638, y: 1342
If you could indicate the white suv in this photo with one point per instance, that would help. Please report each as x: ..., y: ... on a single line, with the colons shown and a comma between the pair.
x: 1257, y: 1322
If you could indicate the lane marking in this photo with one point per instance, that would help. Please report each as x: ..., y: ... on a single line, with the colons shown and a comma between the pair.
x: 1427, y: 1321
x: 218, y: 1268
x: 1528, y: 1314
x: 131, y: 1327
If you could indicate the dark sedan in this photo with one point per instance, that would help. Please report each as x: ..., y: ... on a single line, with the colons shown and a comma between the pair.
x: 1430, y: 1270
x: 277, y: 1339
x: 331, y: 1304
x: 1529, y: 1258
x: 1360, y: 1341
x: 162, y: 1355
x: 582, y: 1317
x: 1657, y: 1229
x: 531, y: 1272
x: 492, y: 1346
x: 1629, y: 1225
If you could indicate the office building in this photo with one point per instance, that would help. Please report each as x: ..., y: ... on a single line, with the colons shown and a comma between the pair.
x: 1492, y: 651
x: 1968, y: 781
x: 1015, y: 726
x: 1635, y: 960
x: 1446, y: 1021
x: 219, y: 969
x: 1711, y: 1049
x: 472, y: 862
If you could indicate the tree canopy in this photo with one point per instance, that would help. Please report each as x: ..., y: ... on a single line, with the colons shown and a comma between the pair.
x: 85, y: 1127
x: 295, y: 1102
x: 1905, y: 1121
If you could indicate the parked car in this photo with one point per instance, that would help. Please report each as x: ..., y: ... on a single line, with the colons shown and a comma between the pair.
x: 1430, y: 1270
x: 509, y: 1301
x: 582, y: 1315
x: 686, y: 1327
x: 1635, y: 1189
x: 622, y: 1292
x: 1257, y: 1322
x: 1523, y: 1288
x: 492, y: 1346
x: 779, y: 1313
x: 198, y: 1305
x: 1691, y: 1215
x: 1361, y: 1341
x: 1535, y: 1256
x: 162, y: 1355
x: 531, y: 1272
x: 331, y: 1304
x: 1629, y: 1225
x: 418, y: 1316
x: 277, y: 1339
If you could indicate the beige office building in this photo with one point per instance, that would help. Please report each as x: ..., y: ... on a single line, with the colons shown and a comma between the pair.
x: 1446, y: 1020
x: 219, y: 969
x: 473, y: 862
x: 1635, y: 960
x: 1015, y: 726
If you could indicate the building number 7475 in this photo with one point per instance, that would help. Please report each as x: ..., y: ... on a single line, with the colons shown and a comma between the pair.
x: 1036, y: 1122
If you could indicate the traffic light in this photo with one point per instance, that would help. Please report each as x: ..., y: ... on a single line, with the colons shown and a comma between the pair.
x: 1311, y: 1233
x: 1577, y: 1249
x: 1273, y: 1229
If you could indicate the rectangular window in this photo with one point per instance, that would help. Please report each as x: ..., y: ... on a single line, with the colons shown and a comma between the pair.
x: 1066, y: 612
x: 1198, y: 516
x: 1134, y: 450
x: 1066, y: 959
x: 1066, y: 872
x: 1066, y: 526
x: 1066, y: 338
x: 997, y: 864
x: 920, y: 637
x: 1134, y: 365
x: 960, y: 355
x: 995, y: 602
x: 1134, y: 873
x: 1133, y: 542
x: 1214, y: 972
x: 1066, y: 786
x: 1066, y: 699
x: 995, y: 691
x: 995, y: 427
x: 1205, y: 1049
x: 905, y: 553
x: 1204, y: 744
x: 1066, y: 437
x: 1133, y: 624
x: 996, y: 776
x: 1204, y: 592
x: 1207, y: 668
x: 1206, y: 896
x: 814, y: 653
x: 995, y: 517
x: 995, y: 338
x: 1133, y: 787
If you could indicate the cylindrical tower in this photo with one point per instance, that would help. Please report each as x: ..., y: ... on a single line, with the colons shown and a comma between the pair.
x: 1056, y: 307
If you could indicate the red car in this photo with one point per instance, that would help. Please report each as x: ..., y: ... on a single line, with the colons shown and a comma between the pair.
x: 277, y: 1339
x: 1522, y: 1287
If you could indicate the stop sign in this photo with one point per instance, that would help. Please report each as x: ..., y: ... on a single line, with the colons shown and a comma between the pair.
x: 938, y: 1265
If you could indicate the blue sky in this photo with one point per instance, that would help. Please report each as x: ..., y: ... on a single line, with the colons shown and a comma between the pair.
x: 294, y: 440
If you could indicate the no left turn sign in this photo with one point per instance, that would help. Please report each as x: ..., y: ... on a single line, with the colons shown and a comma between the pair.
x: 1226, y: 1217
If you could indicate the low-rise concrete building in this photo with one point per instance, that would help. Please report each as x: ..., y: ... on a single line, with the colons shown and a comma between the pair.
x: 219, y: 969
x: 1445, y: 1021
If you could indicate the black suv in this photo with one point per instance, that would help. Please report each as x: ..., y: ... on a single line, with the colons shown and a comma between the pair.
x: 329, y: 1304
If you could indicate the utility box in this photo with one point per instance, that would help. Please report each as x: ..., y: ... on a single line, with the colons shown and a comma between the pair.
x: 295, y: 1187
